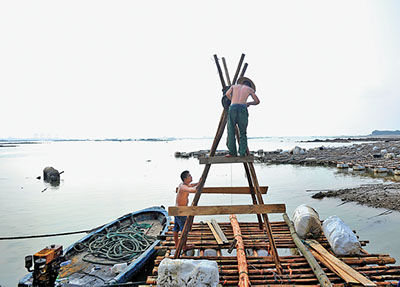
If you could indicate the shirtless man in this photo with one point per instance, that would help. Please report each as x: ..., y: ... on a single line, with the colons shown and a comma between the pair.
x: 238, y: 114
x: 182, y: 199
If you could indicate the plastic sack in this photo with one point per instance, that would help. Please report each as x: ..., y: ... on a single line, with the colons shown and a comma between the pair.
x: 306, y: 222
x: 187, y: 272
x: 341, y: 238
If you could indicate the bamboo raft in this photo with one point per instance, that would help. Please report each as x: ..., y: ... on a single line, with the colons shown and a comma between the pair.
x: 259, y: 253
x: 261, y: 269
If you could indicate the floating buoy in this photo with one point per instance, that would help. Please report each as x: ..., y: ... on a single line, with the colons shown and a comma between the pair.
x: 358, y: 167
x: 342, y: 165
x: 380, y: 169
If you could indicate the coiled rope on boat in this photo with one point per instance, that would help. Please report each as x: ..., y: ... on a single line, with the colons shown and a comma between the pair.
x: 121, y: 245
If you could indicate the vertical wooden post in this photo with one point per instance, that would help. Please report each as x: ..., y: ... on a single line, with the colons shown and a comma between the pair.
x: 221, y: 77
x: 244, y: 70
x: 238, y: 69
x: 266, y: 220
x: 228, y: 79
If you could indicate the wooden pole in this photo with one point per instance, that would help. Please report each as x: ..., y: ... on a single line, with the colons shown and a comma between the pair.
x: 221, y: 77
x: 266, y: 220
x: 238, y: 69
x: 244, y: 70
x: 316, y: 268
x: 228, y: 80
x: 240, y: 253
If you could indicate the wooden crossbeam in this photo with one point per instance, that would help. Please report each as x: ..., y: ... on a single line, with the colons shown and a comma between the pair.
x: 231, y: 190
x: 226, y: 209
x: 224, y: 159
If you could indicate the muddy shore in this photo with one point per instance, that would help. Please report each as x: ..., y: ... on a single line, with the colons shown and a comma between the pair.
x: 374, y: 195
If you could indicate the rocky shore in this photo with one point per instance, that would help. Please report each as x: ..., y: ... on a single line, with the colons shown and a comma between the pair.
x: 374, y: 195
x: 379, y: 157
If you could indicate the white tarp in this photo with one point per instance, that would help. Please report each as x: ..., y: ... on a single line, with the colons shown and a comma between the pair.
x: 187, y: 272
x: 341, y: 238
x: 306, y: 222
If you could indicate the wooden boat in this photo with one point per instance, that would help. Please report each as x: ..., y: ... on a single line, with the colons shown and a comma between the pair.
x: 111, y: 254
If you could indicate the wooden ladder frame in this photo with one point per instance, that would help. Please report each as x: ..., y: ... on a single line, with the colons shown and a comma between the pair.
x: 254, y: 186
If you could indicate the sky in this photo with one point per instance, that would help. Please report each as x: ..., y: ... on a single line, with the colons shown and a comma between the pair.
x: 138, y: 69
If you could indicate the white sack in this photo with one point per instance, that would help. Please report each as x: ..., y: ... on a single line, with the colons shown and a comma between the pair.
x: 341, y: 238
x: 187, y: 272
x: 306, y: 221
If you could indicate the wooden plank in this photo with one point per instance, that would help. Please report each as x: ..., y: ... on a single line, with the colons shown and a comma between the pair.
x: 226, y: 209
x: 224, y: 159
x: 218, y: 229
x: 346, y: 277
x: 231, y: 190
x: 339, y: 264
x: 214, y: 232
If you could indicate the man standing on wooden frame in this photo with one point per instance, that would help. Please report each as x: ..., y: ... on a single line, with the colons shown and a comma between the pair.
x: 238, y: 114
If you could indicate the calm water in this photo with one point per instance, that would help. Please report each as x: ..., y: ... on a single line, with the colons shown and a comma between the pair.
x: 104, y: 180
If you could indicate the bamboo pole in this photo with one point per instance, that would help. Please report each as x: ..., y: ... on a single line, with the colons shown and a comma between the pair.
x: 316, y: 268
x: 240, y: 252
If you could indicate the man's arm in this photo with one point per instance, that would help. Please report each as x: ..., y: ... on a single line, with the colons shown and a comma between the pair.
x: 190, y: 189
x: 255, y: 101
x: 229, y: 93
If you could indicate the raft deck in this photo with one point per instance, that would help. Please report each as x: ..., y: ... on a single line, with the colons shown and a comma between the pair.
x: 261, y: 267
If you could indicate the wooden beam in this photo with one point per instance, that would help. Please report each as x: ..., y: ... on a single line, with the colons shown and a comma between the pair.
x: 231, y: 190
x: 214, y: 232
x: 226, y: 209
x: 219, y: 231
x: 224, y: 159
x: 339, y: 267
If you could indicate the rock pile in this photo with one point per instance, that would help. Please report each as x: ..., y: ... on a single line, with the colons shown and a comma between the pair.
x: 378, y: 156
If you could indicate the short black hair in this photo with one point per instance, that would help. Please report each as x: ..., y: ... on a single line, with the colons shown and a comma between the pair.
x: 184, y: 175
x: 247, y: 83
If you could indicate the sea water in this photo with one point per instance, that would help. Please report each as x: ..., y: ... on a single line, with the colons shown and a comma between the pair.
x: 103, y: 180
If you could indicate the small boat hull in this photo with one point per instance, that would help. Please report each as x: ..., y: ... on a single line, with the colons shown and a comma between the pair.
x: 82, y: 268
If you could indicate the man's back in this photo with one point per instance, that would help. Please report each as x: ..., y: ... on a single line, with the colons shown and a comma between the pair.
x: 238, y: 94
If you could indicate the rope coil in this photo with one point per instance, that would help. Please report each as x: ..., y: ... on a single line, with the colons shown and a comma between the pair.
x: 121, y: 245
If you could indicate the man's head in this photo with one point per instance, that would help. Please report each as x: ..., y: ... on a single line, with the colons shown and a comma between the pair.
x: 186, y: 177
x: 247, y: 82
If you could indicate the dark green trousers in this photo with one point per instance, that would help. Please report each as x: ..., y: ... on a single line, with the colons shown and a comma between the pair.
x: 237, y: 115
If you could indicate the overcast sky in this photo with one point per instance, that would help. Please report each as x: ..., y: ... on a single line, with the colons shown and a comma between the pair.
x: 130, y: 69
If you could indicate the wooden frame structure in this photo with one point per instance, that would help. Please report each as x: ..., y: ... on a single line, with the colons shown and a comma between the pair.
x: 256, y: 261
x: 255, y: 189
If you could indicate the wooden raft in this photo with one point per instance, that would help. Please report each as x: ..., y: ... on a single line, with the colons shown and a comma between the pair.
x: 261, y: 269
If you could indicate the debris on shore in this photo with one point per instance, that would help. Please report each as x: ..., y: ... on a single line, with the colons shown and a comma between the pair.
x: 374, y: 195
x: 379, y: 157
